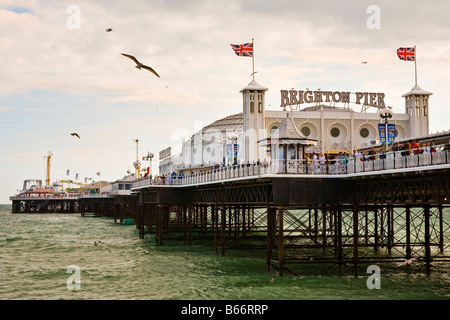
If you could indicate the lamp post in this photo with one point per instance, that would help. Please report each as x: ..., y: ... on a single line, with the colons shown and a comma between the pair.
x: 224, y: 152
x: 150, y: 157
x: 137, y: 164
x: 386, y: 113
x: 233, y: 137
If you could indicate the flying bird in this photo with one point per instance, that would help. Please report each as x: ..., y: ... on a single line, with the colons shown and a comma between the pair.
x: 109, y: 30
x: 364, y: 62
x: 140, y: 65
x: 75, y: 135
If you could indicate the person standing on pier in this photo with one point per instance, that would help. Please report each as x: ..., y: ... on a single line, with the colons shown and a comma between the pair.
x: 321, y: 159
x: 413, y: 146
x: 315, y: 164
x: 372, y: 153
x: 396, y: 146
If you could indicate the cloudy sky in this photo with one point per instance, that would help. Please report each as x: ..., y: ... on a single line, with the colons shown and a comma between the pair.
x: 62, y: 72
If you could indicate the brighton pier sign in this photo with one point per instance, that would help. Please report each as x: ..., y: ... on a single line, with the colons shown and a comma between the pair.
x: 294, y: 97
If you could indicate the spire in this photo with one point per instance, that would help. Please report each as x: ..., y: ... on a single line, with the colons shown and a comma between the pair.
x: 287, y: 129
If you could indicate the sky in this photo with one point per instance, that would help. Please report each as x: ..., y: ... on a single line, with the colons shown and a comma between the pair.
x: 62, y: 72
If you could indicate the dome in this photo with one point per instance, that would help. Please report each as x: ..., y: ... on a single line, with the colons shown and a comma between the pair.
x: 418, y: 91
x: 230, y: 123
x: 254, y: 86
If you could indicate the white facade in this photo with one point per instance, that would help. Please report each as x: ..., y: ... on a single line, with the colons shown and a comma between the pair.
x: 254, y: 123
x: 335, y: 129
x: 416, y: 106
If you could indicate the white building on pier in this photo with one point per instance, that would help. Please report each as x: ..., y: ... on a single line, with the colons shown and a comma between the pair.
x: 325, y: 127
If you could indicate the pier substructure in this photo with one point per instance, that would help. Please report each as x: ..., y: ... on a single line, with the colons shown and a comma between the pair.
x: 350, y: 238
x: 202, y: 214
x: 45, y: 205
x: 119, y: 207
x: 96, y: 206
x: 340, y: 223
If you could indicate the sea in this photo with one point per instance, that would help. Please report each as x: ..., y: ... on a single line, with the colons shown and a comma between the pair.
x: 69, y: 257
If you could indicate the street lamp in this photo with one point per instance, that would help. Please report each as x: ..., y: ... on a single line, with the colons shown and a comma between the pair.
x: 233, y: 137
x: 137, y: 164
x: 385, y: 114
x: 150, y: 157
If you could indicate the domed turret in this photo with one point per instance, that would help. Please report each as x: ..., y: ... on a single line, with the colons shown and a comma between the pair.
x: 254, y: 120
x: 416, y: 105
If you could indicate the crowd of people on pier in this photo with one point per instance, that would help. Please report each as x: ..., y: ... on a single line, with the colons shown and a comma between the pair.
x: 314, y: 159
x: 411, y: 147
x: 168, y: 178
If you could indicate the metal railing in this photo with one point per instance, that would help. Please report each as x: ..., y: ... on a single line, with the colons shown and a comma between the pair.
x: 59, y: 196
x: 435, y: 155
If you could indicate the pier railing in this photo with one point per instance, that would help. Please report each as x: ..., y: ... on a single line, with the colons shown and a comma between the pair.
x: 59, y: 196
x: 426, y: 156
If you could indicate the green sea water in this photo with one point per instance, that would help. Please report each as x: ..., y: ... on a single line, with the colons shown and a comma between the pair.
x: 36, y: 251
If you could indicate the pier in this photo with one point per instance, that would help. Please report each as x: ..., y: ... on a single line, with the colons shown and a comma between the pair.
x: 342, y: 215
x: 345, y: 216
x: 119, y: 207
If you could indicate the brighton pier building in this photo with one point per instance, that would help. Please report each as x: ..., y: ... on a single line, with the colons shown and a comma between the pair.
x: 307, y: 122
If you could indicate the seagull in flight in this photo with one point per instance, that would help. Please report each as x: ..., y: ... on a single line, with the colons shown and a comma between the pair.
x: 140, y: 65
x: 75, y: 135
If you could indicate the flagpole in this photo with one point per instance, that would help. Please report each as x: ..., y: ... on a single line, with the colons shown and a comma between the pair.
x: 253, y: 58
x: 415, y: 62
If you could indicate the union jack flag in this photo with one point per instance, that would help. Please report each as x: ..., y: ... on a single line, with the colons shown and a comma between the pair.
x: 243, y: 50
x: 406, y: 54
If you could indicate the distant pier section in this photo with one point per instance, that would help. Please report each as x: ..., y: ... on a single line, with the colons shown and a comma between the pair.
x: 101, y: 199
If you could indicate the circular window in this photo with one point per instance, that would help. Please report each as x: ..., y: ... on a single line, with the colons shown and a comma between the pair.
x: 364, y: 132
x: 208, y: 149
x: 306, y: 131
x: 335, y: 132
